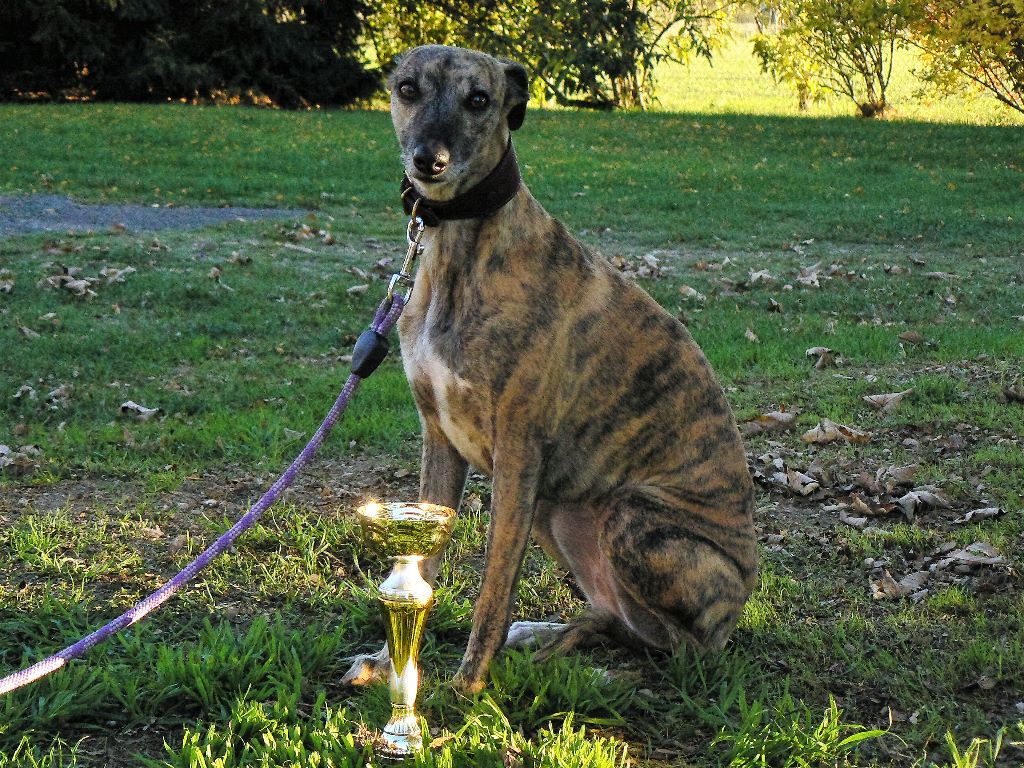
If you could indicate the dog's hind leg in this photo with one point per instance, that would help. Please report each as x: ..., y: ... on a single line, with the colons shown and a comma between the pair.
x: 654, y: 572
x: 570, y: 534
x: 688, y: 566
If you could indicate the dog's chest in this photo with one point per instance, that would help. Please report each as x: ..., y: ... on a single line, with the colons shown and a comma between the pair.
x: 459, y: 406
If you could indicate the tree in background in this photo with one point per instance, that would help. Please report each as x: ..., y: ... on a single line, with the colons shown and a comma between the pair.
x: 599, y: 54
x: 842, y: 46
x: 981, y: 41
x: 293, y: 53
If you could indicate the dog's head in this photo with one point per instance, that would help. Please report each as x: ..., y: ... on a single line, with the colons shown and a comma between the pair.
x: 453, y: 110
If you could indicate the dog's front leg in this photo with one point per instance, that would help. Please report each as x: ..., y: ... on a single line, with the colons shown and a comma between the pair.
x: 442, y: 479
x: 513, y: 507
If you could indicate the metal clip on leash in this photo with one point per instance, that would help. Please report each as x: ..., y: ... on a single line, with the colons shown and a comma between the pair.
x: 372, y: 347
x: 414, y: 233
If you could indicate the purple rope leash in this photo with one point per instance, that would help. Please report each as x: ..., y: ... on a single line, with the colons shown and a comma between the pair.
x: 384, y: 320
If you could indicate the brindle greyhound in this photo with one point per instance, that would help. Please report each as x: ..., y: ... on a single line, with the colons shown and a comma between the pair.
x: 533, y: 360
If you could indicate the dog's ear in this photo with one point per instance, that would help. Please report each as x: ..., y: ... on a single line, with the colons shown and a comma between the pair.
x: 517, y: 93
x: 392, y: 69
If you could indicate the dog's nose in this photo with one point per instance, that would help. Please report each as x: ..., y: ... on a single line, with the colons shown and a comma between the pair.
x: 430, y: 162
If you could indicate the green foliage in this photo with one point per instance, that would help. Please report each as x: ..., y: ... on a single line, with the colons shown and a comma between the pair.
x: 560, y: 689
x: 980, y: 753
x: 981, y: 41
x: 589, y: 53
x: 790, y: 736
x: 26, y: 755
x: 258, y: 734
x: 292, y: 53
x: 843, y: 46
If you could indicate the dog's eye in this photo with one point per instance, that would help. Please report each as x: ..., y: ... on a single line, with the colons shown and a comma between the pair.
x: 408, y: 90
x: 478, y: 101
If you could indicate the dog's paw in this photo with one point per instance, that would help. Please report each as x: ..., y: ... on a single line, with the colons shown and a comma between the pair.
x: 592, y: 628
x: 533, y: 634
x: 368, y: 668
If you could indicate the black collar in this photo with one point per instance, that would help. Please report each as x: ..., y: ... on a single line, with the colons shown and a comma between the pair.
x: 496, y: 189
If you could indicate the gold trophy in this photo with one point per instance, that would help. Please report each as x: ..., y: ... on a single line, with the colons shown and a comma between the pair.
x: 407, y: 533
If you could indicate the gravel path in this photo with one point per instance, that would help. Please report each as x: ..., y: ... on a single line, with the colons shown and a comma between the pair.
x: 57, y: 213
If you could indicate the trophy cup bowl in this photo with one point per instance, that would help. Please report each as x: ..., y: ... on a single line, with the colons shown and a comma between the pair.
x: 407, y: 533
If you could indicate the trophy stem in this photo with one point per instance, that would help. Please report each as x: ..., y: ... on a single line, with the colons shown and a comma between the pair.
x: 406, y: 599
x: 406, y: 533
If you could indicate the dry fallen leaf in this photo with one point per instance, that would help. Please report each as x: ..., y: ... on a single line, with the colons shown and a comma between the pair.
x: 809, y: 276
x: 976, y: 554
x: 760, y: 276
x: 217, y: 277
x: 139, y: 412
x: 860, y: 523
x: 892, y: 477
x: 691, y: 293
x: 828, y: 431
x: 885, y: 587
x: 361, y: 274
x: 751, y: 336
x: 824, y: 355
x: 58, y: 396
x: 803, y: 484
x: 115, y: 275
x: 384, y: 268
x: 869, y: 507
x: 980, y: 514
x: 985, y: 683
x: 440, y: 741
x: 21, y: 461
x: 925, y: 496
x: 80, y: 287
x: 358, y: 290
x: 773, y: 421
x: 24, y: 391
x: 652, y: 264
x: 914, y: 582
x: 888, y: 402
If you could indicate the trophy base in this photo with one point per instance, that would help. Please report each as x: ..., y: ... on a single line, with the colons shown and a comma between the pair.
x: 388, y: 752
x: 401, y: 738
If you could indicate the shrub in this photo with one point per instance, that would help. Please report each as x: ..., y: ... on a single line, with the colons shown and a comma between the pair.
x: 292, y: 53
x: 981, y: 41
x: 843, y: 46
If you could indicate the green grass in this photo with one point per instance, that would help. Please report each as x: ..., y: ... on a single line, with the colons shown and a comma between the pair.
x: 244, y: 668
